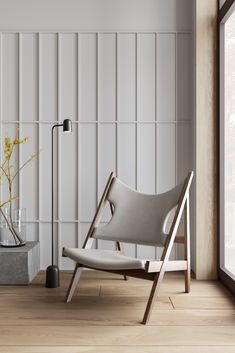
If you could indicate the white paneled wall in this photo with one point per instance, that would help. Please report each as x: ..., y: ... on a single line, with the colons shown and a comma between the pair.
x: 129, y: 96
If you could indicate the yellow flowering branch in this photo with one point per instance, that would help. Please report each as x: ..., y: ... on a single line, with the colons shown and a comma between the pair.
x: 6, y: 169
x: 34, y: 156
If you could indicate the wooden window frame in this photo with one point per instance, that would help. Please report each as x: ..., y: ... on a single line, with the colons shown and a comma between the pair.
x: 224, y: 13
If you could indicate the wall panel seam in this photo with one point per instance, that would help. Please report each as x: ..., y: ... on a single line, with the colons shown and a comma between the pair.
x: 44, y: 31
x: 97, y: 122
x: 97, y: 126
x: 1, y: 137
x: 136, y: 118
x: 58, y: 209
x: 77, y: 146
x: 176, y: 246
x: 156, y: 119
x: 19, y: 37
x: 38, y: 129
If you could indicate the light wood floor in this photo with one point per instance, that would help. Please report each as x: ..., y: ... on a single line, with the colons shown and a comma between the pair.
x: 104, y: 317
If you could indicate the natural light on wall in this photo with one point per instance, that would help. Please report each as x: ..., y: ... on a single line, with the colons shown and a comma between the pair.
x: 229, y: 135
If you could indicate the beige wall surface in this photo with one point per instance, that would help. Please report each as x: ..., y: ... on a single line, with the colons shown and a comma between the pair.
x: 206, y: 138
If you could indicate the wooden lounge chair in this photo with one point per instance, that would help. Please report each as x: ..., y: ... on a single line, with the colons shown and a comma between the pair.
x: 140, y: 219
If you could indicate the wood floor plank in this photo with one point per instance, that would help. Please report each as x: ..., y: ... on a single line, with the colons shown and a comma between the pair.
x: 188, y: 302
x: 40, y: 290
x: 168, y: 289
x: 12, y: 304
x: 123, y: 349
x: 115, y: 317
x: 120, y: 289
x: 118, y: 335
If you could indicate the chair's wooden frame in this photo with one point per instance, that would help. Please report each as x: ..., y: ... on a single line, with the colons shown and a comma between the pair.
x: 154, y: 270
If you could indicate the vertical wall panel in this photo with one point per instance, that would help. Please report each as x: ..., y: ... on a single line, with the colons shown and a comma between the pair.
x: 29, y: 77
x: 127, y: 164
x: 107, y: 76
x: 48, y: 76
x: 146, y: 158
x: 107, y: 155
x: 106, y: 160
x: 1, y: 137
x: 166, y: 164
x: 106, y: 164
x: 146, y: 172
x: 165, y: 157
x: 10, y: 76
x: 45, y: 173
x: 10, y: 130
x: 32, y: 231
x: 185, y: 160
x: 68, y: 76
x: 126, y: 154
x: 69, y: 240
x: 45, y: 245
x: 29, y: 175
x: 185, y: 163
x: 126, y: 77
x: 87, y: 76
x: 87, y: 171
x: 146, y: 77
x: 166, y: 77
x: 184, y: 88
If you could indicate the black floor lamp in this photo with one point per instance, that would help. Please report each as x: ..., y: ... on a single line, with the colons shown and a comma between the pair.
x: 53, y: 273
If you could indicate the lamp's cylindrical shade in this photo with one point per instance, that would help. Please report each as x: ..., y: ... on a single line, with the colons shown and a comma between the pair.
x: 67, y: 125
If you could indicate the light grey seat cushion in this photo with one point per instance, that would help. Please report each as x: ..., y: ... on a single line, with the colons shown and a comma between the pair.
x: 103, y: 259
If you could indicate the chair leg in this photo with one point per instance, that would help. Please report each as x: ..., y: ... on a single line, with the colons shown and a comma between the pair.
x: 187, y: 276
x: 152, y: 296
x: 73, y: 284
x: 118, y: 245
x: 187, y: 272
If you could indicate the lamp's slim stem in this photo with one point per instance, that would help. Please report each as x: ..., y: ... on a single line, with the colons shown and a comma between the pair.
x: 52, y: 196
x: 52, y: 192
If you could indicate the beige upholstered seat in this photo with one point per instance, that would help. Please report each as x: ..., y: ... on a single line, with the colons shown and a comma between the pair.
x: 137, y: 218
x: 103, y: 259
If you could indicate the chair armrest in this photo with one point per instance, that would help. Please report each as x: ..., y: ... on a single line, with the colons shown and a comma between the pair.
x: 155, y: 266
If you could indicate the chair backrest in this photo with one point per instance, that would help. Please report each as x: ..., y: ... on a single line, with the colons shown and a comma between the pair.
x: 140, y: 218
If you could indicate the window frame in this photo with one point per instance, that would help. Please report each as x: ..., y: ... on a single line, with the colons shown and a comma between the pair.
x: 225, y: 12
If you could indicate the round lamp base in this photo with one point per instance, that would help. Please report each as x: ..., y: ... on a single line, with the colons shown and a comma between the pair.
x: 52, y: 276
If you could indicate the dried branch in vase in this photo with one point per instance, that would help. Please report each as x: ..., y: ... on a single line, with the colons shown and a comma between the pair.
x: 8, y: 174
